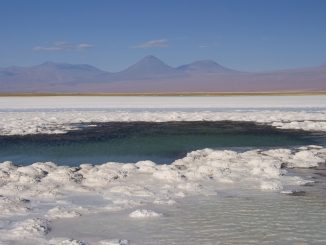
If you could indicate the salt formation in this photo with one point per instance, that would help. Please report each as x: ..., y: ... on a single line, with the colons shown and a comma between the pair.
x: 52, y: 122
x: 42, y: 192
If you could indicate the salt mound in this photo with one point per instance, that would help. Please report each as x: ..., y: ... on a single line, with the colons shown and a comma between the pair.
x: 113, y: 242
x: 65, y: 241
x: 13, y: 205
x: 27, y: 229
x: 60, y: 212
x: 146, y: 166
x: 144, y: 213
x: 305, y: 159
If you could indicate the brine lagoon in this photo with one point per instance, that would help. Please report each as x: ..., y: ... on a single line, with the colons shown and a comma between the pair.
x: 161, y: 142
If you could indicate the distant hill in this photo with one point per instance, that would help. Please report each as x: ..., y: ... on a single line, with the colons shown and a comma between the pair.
x: 148, y: 67
x: 204, y: 66
x: 152, y: 75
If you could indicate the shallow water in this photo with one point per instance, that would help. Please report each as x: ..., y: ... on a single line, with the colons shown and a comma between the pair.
x: 134, y: 141
x: 229, y: 217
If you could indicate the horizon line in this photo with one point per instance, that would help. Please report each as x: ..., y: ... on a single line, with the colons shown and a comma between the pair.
x: 167, y: 94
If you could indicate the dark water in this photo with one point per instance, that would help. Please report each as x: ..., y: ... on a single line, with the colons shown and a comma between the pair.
x: 134, y: 141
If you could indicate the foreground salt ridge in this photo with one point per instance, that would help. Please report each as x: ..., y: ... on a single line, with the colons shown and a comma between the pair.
x: 35, y: 195
x: 22, y: 123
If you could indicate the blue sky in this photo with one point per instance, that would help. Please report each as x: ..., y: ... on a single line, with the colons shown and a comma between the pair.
x: 249, y: 35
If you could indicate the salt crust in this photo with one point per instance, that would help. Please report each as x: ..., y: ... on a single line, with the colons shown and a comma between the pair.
x: 22, y: 123
x: 157, y: 102
x: 26, y: 190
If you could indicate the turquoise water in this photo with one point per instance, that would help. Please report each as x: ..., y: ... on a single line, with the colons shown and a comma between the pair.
x: 134, y: 141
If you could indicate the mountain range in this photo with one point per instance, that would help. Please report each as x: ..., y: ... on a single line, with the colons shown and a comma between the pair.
x: 151, y: 74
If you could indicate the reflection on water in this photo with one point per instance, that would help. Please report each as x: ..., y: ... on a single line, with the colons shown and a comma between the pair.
x: 133, y: 141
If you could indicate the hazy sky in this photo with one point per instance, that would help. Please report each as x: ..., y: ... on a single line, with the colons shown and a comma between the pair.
x: 249, y: 35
